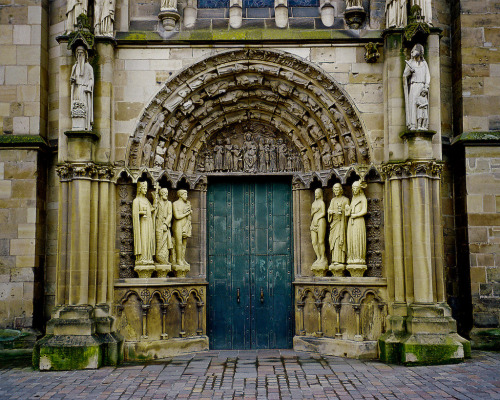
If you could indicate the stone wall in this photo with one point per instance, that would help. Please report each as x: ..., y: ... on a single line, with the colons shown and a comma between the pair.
x: 22, y: 204
x: 483, y: 212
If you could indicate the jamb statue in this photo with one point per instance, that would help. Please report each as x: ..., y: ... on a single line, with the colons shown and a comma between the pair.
x: 164, y: 243
x: 318, y: 233
x: 144, y: 232
x: 82, y: 92
x: 181, y: 230
x: 356, y: 230
x: 338, y: 223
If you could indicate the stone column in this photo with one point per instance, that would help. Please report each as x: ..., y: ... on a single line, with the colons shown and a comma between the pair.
x: 421, y: 329
x: 81, y: 327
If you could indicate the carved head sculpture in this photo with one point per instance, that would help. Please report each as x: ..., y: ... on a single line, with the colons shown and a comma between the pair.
x: 182, y: 194
x: 164, y: 193
x: 417, y: 51
x: 357, y: 187
x: 142, y: 188
x: 81, y: 58
x: 337, y: 189
x: 318, y: 194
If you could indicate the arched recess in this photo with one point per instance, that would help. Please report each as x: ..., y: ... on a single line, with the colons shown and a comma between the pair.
x: 243, y: 101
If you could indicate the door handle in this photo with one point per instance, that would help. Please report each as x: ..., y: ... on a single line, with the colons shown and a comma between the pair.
x: 261, y: 295
x: 238, y: 295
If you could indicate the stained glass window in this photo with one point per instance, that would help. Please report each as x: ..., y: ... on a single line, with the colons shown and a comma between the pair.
x: 303, y: 3
x: 256, y: 3
x: 213, y: 3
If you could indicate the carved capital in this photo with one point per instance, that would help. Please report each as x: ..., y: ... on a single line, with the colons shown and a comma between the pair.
x: 408, y: 169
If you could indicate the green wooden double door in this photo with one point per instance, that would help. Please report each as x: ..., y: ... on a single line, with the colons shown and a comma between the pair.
x: 250, y: 264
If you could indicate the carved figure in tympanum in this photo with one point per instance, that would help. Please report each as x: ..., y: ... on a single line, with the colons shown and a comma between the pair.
x: 160, y: 154
x: 416, y: 80
x: 182, y: 159
x: 143, y: 227
x: 351, y: 149
x: 146, y: 151
x: 181, y: 230
x: 218, y: 156
x: 191, y: 163
x: 171, y: 155
x: 356, y: 230
x: 318, y: 233
x: 228, y: 156
x: 338, y: 229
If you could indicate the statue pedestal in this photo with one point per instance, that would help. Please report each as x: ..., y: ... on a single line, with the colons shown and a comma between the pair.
x: 169, y: 18
x: 181, y: 270
x: 319, y: 267
x: 356, y: 270
x: 144, y: 271
x: 419, y: 143
x: 81, y: 145
x: 337, y: 269
x: 162, y: 270
x: 355, y: 17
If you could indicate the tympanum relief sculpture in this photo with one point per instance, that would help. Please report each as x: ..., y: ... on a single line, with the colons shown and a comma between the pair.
x: 347, y: 238
x: 416, y: 80
x: 160, y: 232
x: 82, y: 92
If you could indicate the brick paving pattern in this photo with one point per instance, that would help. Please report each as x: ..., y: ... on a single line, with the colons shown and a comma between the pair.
x: 263, y: 374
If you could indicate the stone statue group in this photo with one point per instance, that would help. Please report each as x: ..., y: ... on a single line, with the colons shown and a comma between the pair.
x: 160, y: 232
x: 347, y: 239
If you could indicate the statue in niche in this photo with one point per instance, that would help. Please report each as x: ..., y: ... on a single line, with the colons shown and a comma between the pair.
x: 171, y: 155
x: 164, y: 243
x: 104, y: 17
x: 169, y: 4
x: 326, y: 155
x: 416, y: 79
x: 250, y: 154
x: 356, y: 230
x: 218, y: 156
x: 82, y: 92
x: 395, y: 13
x: 73, y: 10
x: 160, y: 154
x: 425, y: 9
x: 318, y: 233
x: 338, y: 225
x: 181, y: 229
x: 157, y: 125
x: 146, y: 151
x: 354, y: 4
x: 144, y: 234
x: 209, y: 162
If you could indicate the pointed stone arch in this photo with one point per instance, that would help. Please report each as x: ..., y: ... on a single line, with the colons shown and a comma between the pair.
x: 291, y: 100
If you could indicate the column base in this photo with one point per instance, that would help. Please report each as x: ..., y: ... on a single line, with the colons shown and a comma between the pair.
x: 429, y: 338
x: 76, y: 339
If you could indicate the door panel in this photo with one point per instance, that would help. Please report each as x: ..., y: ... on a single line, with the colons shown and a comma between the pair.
x: 250, y: 296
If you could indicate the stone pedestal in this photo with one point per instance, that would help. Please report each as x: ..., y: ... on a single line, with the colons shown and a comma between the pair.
x: 77, y: 338
x: 169, y: 18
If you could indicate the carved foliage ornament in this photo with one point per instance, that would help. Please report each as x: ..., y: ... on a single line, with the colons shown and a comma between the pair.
x: 273, y: 88
x: 412, y: 168
x: 70, y: 171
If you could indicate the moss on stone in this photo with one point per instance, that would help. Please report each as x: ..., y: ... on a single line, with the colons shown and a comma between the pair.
x: 22, y: 140
x: 430, y: 354
x: 71, y: 357
x: 487, y: 339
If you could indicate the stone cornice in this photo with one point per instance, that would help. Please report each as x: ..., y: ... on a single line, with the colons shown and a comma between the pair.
x: 477, y: 138
x: 24, y: 141
x: 410, y: 169
x: 72, y: 171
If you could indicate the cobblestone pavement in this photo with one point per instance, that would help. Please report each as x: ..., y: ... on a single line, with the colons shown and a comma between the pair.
x: 263, y: 374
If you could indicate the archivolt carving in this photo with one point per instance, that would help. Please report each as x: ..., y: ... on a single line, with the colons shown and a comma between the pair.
x: 294, y: 100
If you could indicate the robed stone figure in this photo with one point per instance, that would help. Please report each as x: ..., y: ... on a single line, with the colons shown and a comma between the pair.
x: 356, y: 230
x: 82, y: 92
x: 338, y: 225
x: 416, y: 80
x: 164, y: 243
x: 143, y: 227
x: 318, y: 233
x: 73, y: 10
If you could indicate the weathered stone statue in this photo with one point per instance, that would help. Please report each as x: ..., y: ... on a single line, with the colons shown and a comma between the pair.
x: 169, y: 4
x: 395, y: 13
x: 318, y: 233
x: 416, y: 78
x: 354, y: 4
x: 144, y: 235
x: 82, y: 92
x: 160, y: 154
x: 338, y: 224
x: 164, y: 242
x: 104, y: 17
x: 356, y: 230
x: 425, y: 9
x: 422, y: 104
x: 73, y: 10
x: 181, y: 230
